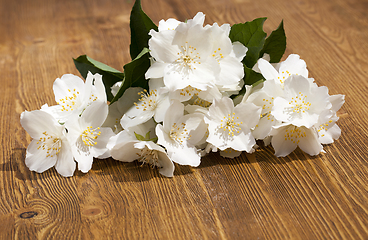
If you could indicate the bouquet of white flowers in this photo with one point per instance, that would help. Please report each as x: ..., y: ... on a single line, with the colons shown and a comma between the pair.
x: 190, y: 89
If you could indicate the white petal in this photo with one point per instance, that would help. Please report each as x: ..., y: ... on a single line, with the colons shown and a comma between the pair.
x: 267, y: 70
x: 119, y: 139
x: 173, y: 114
x: 161, y: 109
x: 163, y: 137
x: 169, y: 24
x: 134, y: 117
x: 248, y: 113
x: 221, y: 108
x: 65, y: 83
x: 125, y: 152
x: 310, y: 144
x: 231, y: 71
x: 95, y: 114
x: 156, y: 83
x: 98, y: 88
x: 100, y: 149
x: 278, y: 112
x: 221, y: 41
x: 65, y: 164
x: 36, y: 159
x: 333, y: 133
x: 130, y: 96
x: 280, y: 144
x: 83, y: 156
x: 241, y: 142
x: 239, y: 50
x: 115, y: 88
x: 184, y: 155
x: 36, y: 122
x: 162, y: 48
x: 167, y: 166
x: 113, y: 118
x: 337, y: 101
x: 294, y: 65
x: 197, y: 19
x: 156, y: 70
x: 264, y: 127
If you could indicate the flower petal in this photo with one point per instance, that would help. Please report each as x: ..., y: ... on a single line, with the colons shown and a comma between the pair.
x: 65, y: 164
x: 280, y: 143
x: 36, y: 159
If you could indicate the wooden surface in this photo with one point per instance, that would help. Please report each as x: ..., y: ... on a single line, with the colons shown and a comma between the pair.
x: 255, y: 196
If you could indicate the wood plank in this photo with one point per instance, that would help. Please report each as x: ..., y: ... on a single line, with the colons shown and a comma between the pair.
x: 255, y: 196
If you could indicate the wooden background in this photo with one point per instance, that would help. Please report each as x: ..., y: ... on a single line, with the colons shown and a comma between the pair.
x: 255, y: 196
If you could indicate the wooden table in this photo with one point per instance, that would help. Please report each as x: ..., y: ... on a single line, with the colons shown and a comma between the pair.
x: 254, y: 196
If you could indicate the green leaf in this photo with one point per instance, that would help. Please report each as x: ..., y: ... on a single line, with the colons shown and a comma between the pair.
x: 275, y: 44
x: 139, y: 137
x: 134, y: 74
x: 110, y: 76
x: 148, y: 135
x: 251, y: 35
x: 140, y: 25
x: 146, y: 138
x: 251, y: 78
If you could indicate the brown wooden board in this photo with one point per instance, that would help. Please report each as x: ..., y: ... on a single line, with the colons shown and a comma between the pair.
x: 254, y: 196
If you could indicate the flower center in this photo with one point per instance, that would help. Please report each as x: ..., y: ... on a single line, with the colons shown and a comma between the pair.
x: 148, y: 156
x: 324, y: 127
x: 147, y: 100
x: 229, y: 124
x: 89, y: 136
x: 201, y: 102
x: 217, y: 55
x: 282, y: 77
x: 294, y: 133
x: 190, y: 91
x: 69, y: 103
x: 50, y: 144
x: 179, y: 133
x: 266, y: 109
x: 187, y: 57
x: 299, y: 104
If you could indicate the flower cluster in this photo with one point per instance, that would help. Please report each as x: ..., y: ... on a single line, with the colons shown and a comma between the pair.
x: 295, y: 111
x: 196, y: 102
x: 71, y: 130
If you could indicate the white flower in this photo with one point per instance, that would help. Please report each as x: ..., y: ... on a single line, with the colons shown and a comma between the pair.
x: 228, y: 56
x: 196, y: 56
x: 73, y: 94
x: 264, y: 98
x: 118, y: 108
x: 49, y: 146
x: 151, y: 104
x: 126, y: 148
x: 180, y: 133
x: 286, y: 137
x: 327, y: 129
x: 183, y: 57
x: 292, y: 65
x: 229, y: 126
x: 88, y: 139
x: 302, y: 103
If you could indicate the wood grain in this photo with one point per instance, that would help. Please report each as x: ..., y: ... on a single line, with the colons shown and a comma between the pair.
x: 254, y: 196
